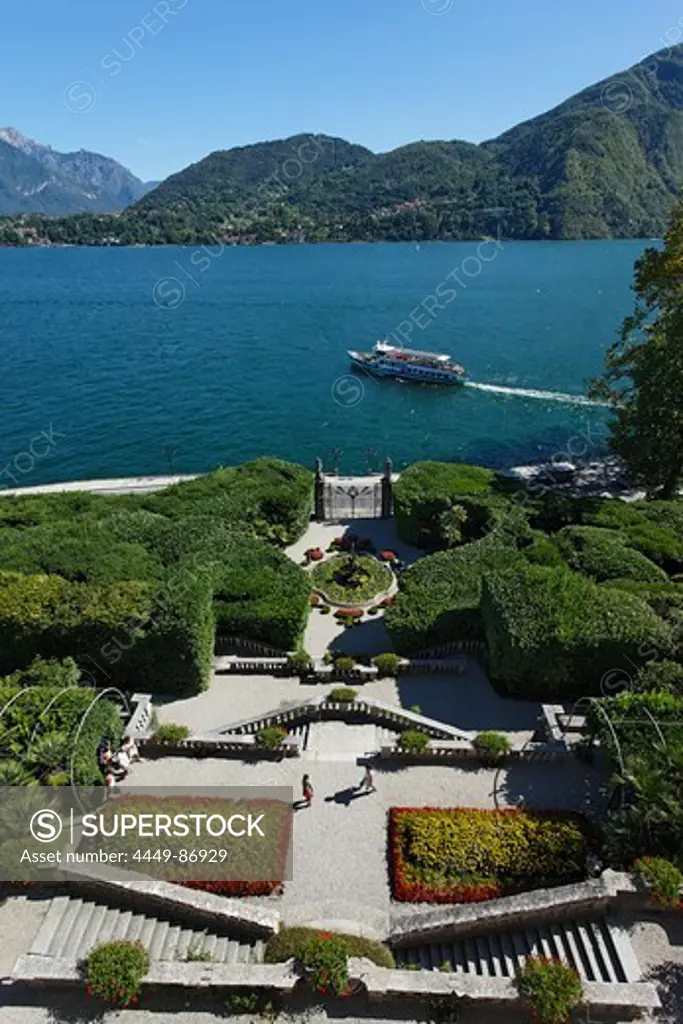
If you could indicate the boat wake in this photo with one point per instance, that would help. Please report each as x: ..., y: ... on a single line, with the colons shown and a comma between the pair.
x: 543, y: 396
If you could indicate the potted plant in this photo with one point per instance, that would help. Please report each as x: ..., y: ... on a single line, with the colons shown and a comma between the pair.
x: 551, y: 988
x: 492, y: 747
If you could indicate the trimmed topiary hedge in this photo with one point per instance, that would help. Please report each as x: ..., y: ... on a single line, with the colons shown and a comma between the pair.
x: 120, y: 634
x: 554, y: 634
x: 439, y: 596
x: 603, y: 555
x: 272, y: 497
x: 261, y: 594
x: 79, y: 550
x: 427, y: 490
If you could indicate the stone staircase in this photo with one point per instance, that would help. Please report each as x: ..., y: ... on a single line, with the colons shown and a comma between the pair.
x: 598, y: 950
x: 73, y: 926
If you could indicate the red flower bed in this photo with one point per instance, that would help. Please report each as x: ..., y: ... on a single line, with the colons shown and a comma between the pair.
x: 236, y: 888
x: 349, y: 613
x: 388, y: 556
x: 315, y: 554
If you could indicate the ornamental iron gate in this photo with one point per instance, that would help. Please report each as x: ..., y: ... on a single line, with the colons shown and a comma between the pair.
x: 353, y: 497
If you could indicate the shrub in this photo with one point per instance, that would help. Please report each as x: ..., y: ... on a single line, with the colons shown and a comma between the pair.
x: 324, y: 958
x: 440, y: 595
x: 551, y: 988
x: 251, y: 1001
x: 196, y: 954
x: 288, y: 942
x: 603, y: 555
x: 115, y: 971
x: 171, y: 733
x: 492, y: 746
x: 299, y: 663
x: 428, y: 491
x: 386, y: 664
x: 45, y: 672
x: 469, y: 855
x: 666, y: 676
x: 412, y: 741
x: 272, y: 737
x: 663, y: 878
x: 344, y: 663
x: 74, y: 714
x: 325, y: 609
x: 552, y: 633
x: 342, y: 694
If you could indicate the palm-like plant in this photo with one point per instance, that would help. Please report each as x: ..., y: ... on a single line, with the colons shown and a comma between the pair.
x: 48, y: 753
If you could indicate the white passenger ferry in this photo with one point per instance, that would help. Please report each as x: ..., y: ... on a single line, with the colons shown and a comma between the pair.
x: 387, y: 360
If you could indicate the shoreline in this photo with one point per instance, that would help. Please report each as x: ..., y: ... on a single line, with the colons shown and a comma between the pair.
x: 603, y: 477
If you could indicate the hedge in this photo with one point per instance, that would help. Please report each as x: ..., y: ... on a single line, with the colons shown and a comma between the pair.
x: 603, y: 555
x: 65, y: 714
x: 655, y: 528
x: 261, y: 594
x: 426, y: 490
x: 126, y: 634
x: 439, y: 596
x: 270, y: 496
x: 79, y: 550
x: 552, y: 634
x: 288, y: 943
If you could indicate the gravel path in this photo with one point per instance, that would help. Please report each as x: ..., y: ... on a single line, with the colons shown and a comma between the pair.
x: 340, y: 865
x: 468, y: 701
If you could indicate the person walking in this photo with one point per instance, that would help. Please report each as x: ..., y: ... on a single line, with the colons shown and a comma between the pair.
x: 307, y: 790
x: 367, y: 783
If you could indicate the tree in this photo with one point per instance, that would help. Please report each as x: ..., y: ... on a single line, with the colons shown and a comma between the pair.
x: 643, y: 379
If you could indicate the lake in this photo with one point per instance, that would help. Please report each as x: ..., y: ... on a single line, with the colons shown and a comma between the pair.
x: 142, y: 361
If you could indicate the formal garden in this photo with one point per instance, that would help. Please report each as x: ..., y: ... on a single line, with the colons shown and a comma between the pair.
x: 561, y: 595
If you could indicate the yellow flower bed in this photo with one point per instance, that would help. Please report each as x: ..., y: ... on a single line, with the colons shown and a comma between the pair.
x: 473, y: 854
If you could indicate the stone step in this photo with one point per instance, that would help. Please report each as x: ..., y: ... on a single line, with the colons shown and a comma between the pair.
x: 598, y: 950
x: 74, y: 926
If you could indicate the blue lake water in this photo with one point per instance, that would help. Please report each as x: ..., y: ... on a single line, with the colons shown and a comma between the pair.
x: 244, y: 353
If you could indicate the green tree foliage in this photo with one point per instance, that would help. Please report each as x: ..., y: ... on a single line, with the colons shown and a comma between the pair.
x: 644, y: 372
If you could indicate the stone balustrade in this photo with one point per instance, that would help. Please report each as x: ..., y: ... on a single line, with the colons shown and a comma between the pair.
x: 213, y: 745
x: 366, y: 708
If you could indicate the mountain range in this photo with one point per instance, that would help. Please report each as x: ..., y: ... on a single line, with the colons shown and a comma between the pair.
x: 608, y: 162
x: 35, y: 178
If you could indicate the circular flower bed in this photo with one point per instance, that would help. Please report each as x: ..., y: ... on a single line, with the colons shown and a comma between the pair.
x: 349, y: 579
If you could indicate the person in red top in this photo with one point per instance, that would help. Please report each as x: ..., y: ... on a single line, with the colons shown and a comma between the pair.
x: 307, y: 790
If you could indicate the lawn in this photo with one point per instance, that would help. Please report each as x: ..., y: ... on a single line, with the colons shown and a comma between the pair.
x: 465, y: 855
x: 346, y: 579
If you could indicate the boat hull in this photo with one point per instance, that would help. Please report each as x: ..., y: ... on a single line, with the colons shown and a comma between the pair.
x: 409, y: 374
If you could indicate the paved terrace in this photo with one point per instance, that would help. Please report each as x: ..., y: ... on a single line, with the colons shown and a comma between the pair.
x: 340, y: 864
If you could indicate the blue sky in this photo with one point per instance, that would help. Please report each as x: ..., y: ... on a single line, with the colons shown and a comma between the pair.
x: 158, y: 84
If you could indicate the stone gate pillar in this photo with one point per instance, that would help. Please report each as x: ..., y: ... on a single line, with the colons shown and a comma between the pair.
x: 387, y: 490
x: 319, y: 492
